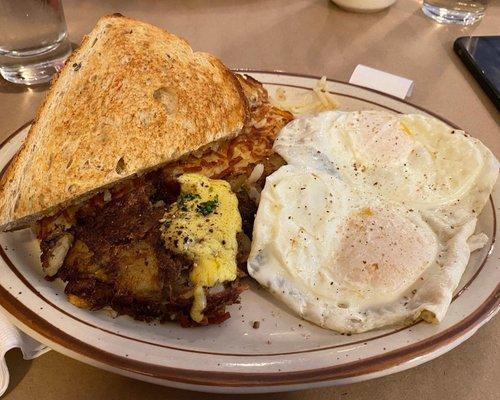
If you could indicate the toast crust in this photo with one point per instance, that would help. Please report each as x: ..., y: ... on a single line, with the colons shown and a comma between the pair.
x: 132, y: 98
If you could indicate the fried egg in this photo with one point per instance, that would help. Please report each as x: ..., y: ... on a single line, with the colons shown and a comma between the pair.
x: 413, y: 159
x: 368, y: 225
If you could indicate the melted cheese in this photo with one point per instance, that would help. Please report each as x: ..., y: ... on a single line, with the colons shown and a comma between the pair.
x: 202, y: 225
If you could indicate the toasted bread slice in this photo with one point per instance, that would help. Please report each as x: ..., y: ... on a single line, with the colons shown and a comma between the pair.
x: 109, y: 249
x: 131, y: 98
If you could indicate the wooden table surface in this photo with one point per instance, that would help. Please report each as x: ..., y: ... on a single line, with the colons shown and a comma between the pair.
x: 312, y: 37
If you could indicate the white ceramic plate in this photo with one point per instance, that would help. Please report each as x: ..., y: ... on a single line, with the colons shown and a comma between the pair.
x: 285, y: 353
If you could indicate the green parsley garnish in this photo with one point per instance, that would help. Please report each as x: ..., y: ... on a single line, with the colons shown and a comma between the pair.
x: 184, y: 198
x: 207, y: 207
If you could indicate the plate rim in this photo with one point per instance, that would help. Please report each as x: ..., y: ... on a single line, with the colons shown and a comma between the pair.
x: 377, y: 363
x: 378, y: 92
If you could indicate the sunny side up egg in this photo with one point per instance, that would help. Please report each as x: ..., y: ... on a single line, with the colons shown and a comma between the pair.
x: 368, y: 225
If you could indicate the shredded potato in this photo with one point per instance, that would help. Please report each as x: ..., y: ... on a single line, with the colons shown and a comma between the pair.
x: 240, y: 154
x: 319, y: 99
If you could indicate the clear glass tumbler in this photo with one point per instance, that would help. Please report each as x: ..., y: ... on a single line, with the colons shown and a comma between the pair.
x: 463, y: 12
x: 33, y: 40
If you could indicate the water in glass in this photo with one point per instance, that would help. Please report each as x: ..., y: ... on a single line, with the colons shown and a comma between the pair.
x: 33, y: 40
x: 464, y: 12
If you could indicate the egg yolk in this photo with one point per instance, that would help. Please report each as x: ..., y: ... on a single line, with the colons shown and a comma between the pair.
x: 202, y: 225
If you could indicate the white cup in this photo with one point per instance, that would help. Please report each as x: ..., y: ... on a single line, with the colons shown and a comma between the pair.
x: 364, y: 5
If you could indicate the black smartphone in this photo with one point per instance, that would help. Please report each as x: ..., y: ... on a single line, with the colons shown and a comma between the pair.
x: 481, y: 55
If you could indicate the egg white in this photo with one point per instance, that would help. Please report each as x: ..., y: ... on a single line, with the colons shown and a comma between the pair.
x: 368, y: 224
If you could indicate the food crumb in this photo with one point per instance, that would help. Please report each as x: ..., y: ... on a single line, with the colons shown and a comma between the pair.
x: 256, y: 325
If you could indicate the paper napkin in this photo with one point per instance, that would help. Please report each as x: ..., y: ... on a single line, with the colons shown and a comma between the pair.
x: 11, y: 337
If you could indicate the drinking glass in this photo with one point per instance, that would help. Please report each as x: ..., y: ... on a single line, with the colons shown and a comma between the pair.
x: 464, y: 12
x: 33, y: 40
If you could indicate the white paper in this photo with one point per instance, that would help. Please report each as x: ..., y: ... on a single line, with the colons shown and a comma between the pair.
x: 11, y: 337
x: 382, y: 81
